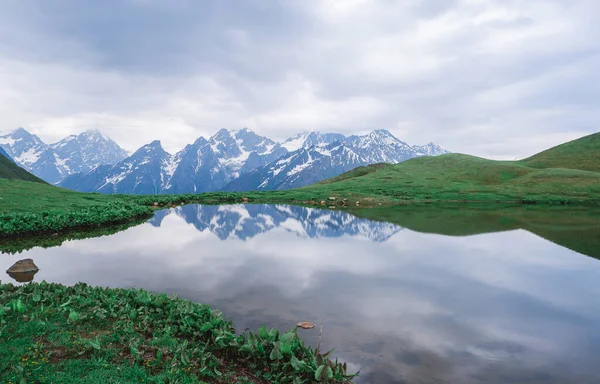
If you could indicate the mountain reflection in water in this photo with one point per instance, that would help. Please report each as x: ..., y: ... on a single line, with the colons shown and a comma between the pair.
x: 246, y: 221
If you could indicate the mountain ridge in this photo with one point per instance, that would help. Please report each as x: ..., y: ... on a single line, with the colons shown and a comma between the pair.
x: 239, y: 160
x: 54, y: 162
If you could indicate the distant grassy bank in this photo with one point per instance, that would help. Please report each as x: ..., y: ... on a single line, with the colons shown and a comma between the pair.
x: 56, y: 334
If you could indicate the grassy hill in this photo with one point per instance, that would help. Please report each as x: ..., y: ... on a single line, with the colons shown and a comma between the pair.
x: 19, y: 196
x: 9, y: 170
x: 566, y: 173
x: 583, y: 154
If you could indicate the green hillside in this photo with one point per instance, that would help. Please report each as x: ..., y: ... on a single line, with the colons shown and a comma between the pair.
x: 9, y: 170
x: 567, y: 173
x: 583, y: 153
x: 18, y: 196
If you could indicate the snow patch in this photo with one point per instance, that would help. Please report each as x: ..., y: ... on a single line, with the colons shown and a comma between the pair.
x: 7, y: 140
x: 28, y: 157
x: 295, y: 143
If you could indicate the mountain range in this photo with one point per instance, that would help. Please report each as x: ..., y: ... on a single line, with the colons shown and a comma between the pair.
x: 54, y: 162
x: 230, y: 160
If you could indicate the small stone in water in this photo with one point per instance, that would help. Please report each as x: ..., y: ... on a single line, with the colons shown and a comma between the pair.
x: 305, y: 325
x: 22, y: 266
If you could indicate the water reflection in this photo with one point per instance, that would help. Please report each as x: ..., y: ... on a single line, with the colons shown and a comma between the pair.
x: 22, y: 277
x: 246, y: 221
x: 403, y: 307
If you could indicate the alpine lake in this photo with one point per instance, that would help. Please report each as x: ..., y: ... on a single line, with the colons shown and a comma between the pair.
x: 411, y: 294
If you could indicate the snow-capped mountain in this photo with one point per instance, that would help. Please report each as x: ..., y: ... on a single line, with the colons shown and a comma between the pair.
x: 205, y: 165
x: 430, y: 149
x: 380, y: 146
x: 144, y: 172
x: 241, y: 160
x: 246, y: 221
x: 86, y: 151
x: 308, y: 139
x: 196, y: 169
x: 208, y: 165
x: 52, y: 163
x: 319, y: 162
x: 31, y: 153
x: 302, y: 167
x: 241, y: 151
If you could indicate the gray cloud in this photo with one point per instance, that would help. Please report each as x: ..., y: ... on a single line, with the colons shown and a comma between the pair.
x: 496, y: 78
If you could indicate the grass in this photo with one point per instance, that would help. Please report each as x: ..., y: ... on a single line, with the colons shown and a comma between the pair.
x: 56, y: 334
x: 583, y: 153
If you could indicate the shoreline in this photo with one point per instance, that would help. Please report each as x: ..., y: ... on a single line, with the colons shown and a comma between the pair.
x: 58, y: 333
x: 133, y: 208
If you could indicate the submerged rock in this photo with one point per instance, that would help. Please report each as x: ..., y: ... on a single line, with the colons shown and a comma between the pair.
x: 23, y: 271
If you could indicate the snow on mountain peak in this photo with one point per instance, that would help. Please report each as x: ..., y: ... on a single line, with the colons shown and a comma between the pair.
x: 310, y: 138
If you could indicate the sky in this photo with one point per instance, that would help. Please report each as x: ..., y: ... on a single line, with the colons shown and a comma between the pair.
x: 495, y: 78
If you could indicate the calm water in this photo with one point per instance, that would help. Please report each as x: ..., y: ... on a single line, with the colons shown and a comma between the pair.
x: 399, y: 305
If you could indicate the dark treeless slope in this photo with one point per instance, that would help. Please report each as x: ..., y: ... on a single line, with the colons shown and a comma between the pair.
x: 10, y: 170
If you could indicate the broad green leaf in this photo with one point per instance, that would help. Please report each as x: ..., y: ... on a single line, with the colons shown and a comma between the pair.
x: 323, y: 373
x: 73, y: 316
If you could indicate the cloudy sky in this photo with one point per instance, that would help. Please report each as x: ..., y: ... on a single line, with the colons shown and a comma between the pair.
x: 495, y: 78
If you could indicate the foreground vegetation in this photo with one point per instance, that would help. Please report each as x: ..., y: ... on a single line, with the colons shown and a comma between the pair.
x: 56, y: 334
